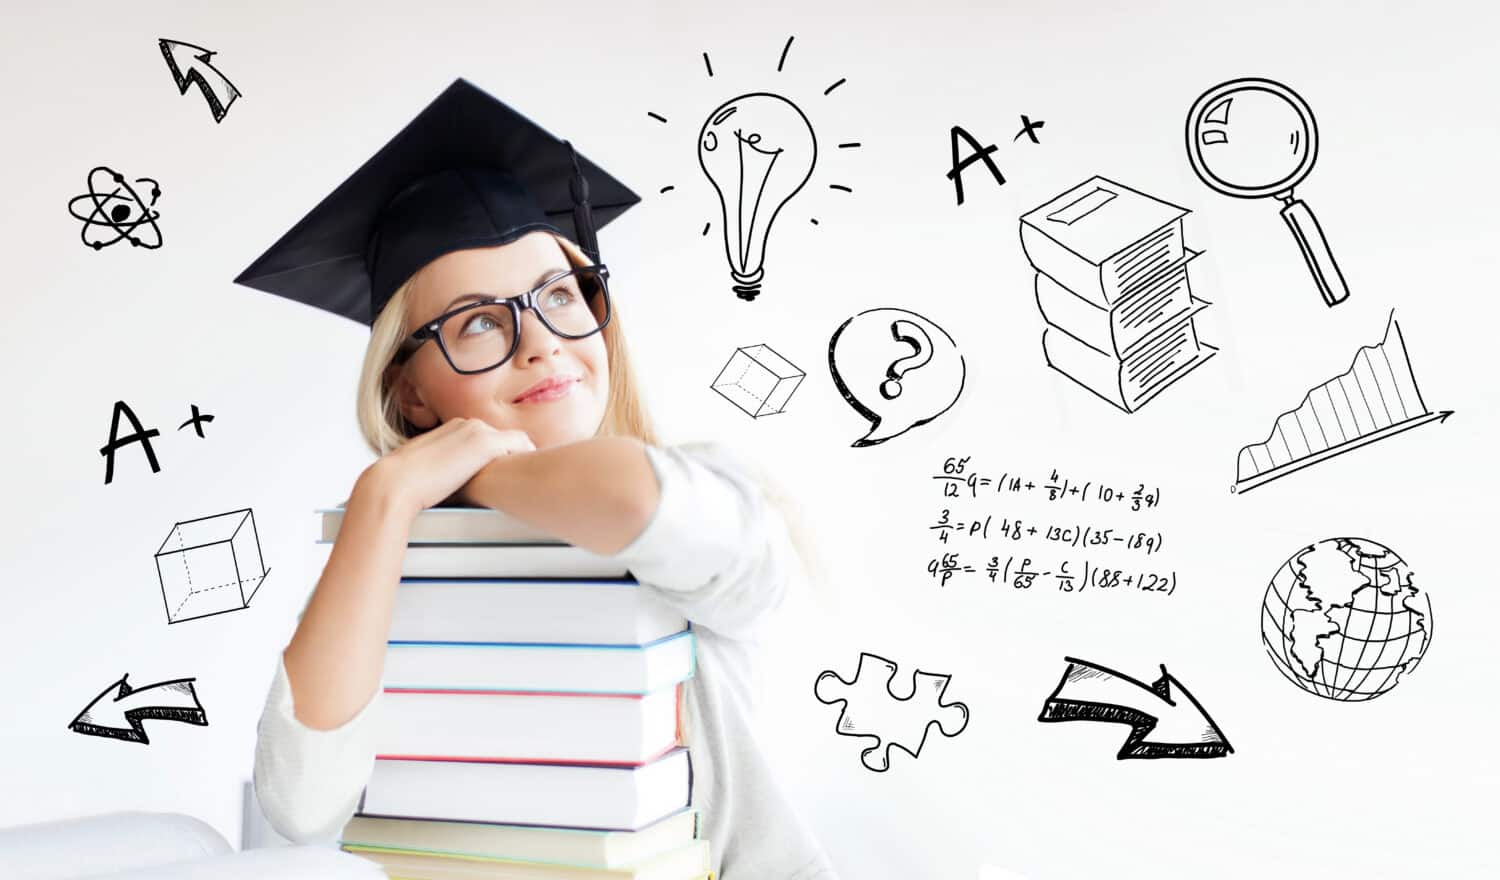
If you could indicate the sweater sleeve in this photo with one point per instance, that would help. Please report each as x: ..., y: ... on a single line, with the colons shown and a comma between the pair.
x: 309, y: 781
x: 715, y: 548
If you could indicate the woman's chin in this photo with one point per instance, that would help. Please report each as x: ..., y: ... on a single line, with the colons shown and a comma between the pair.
x: 561, y: 432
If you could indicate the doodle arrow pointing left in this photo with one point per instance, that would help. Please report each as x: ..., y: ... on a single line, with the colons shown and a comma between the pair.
x: 120, y: 709
x: 192, y: 65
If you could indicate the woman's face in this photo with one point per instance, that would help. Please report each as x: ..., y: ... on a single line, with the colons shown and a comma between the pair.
x: 552, y: 388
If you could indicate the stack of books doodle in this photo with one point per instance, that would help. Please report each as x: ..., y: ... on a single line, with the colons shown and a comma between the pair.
x: 529, y: 726
x: 1112, y: 284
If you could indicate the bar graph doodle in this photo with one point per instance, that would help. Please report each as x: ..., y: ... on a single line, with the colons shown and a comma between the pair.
x: 1376, y: 398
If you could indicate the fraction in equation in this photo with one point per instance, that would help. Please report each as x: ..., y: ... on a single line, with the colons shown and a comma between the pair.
x: 956, y: 479
x: 1067, y: 577
x: 1072, y: 535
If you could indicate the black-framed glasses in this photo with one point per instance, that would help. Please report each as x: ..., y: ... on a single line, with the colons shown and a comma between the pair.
x: 481, y: 335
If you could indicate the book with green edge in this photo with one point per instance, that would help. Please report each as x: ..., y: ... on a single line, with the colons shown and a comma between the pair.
x: 684, y: 863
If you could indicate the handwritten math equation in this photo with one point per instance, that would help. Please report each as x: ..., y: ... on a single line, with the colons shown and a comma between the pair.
x: 1066, y: 577
x: 1042, y: 547
x: 958, y: 481
x: 1075, y: 535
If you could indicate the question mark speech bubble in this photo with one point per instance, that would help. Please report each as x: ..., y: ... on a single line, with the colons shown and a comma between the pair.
x: 895, y: 368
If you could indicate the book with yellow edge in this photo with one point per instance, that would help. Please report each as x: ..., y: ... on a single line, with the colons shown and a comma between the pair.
x: 576, y: 847
x: 685, y: 863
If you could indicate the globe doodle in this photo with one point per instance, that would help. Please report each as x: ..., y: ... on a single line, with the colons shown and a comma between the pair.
x: 1342, y: 619
x: 112, y: 211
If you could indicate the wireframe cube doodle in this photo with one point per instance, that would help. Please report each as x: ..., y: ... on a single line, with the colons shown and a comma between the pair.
x: 210, y: 565
x: 758, y: 380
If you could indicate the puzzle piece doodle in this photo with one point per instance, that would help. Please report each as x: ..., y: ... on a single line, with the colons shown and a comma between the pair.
x: 888, y: 718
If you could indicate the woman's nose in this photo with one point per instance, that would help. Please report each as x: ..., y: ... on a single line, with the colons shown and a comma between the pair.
x: 536, y: 338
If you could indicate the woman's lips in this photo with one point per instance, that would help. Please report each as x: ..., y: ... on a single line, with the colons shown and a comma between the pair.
x: 552, y: 389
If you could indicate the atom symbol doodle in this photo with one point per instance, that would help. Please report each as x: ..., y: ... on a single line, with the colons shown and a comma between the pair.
x: 118, y: 210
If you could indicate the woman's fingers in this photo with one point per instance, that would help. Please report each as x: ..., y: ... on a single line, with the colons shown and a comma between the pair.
x: 439, y: 462
x: 510, y: 441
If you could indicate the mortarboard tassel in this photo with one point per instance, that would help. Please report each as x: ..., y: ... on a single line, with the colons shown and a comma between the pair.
x: 583, y: 215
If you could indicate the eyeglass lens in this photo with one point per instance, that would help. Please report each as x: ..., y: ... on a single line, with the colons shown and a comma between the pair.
x: 482, y: 337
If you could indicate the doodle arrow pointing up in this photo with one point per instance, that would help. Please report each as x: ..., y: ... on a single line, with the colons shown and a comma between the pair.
x: 120, y: 709
x: 190, y: 64
x: 1165, y: 721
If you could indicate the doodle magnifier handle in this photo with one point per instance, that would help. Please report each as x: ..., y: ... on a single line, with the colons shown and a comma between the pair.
x: 1315, y: 251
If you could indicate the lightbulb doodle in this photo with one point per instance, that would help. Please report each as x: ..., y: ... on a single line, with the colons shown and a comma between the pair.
x: 758, y: 151
x: 112, y: 211
x: 897, y: 369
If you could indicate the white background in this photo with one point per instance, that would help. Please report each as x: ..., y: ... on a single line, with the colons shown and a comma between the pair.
x: 1403, y: 95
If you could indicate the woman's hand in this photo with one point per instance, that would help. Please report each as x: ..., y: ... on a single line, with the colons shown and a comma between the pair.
x: 430, y: 468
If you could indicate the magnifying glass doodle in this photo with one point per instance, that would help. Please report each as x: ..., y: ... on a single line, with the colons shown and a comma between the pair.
x: 1250, y: 138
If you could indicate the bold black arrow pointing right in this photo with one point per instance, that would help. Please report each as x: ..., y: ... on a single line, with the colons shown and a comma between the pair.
x: 1165, y: 721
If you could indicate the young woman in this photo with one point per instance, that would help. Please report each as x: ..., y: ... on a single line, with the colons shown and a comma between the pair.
x: 497, y: 375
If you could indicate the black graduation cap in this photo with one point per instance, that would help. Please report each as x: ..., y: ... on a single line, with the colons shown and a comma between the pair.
x: 467, y: 172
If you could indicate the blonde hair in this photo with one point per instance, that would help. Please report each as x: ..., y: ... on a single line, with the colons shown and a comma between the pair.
x: 379, y: 413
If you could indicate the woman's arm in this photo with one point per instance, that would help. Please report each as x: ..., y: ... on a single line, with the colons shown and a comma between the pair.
x: 335, y: 658
x: 315, y: 745
x: 693, y: 524
x: 597, y: 494
x: 314, y: 752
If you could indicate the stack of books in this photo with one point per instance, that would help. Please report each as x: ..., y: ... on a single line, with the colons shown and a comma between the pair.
x: 1112, y: 285
x: 530, y: 722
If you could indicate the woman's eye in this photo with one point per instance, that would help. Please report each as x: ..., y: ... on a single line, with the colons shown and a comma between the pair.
x: 560, y: 296
x: 479, y: 324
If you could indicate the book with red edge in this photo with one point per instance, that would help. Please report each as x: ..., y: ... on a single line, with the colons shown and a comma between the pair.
x: 621, y: 729
x: 589, y: 611
x: 603, y: 797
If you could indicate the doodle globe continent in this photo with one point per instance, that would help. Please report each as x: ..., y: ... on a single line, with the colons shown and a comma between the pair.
x: 1342, y: 619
